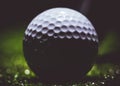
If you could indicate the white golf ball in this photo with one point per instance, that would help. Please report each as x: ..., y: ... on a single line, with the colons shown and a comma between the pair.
x: 60, y: 45
x: 59, y: 21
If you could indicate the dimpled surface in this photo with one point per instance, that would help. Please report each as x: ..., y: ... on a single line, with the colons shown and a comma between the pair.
x: 60, y: 45
x: 61, y: 23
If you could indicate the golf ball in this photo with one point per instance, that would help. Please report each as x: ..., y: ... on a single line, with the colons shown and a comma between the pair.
x: 60, y: 45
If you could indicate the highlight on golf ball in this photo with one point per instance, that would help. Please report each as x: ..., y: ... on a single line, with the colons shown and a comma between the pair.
x: 60, y: 45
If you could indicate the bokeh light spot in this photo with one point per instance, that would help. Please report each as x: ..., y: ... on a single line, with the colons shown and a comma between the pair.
x: 27, y: 71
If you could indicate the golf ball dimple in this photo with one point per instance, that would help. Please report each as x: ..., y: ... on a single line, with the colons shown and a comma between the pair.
x: 60, y: 45
x: 51, y: 26
x: 58, y: 23
x: 39, y: 35
x: 69, y: 35
x: 64, y: 28
x: 39, y: 28
x: 57, y: 29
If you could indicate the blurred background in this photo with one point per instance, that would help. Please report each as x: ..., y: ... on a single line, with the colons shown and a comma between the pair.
x: 15, y: 15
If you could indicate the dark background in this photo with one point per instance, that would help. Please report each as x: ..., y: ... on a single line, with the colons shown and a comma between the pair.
x: 104, y: 14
